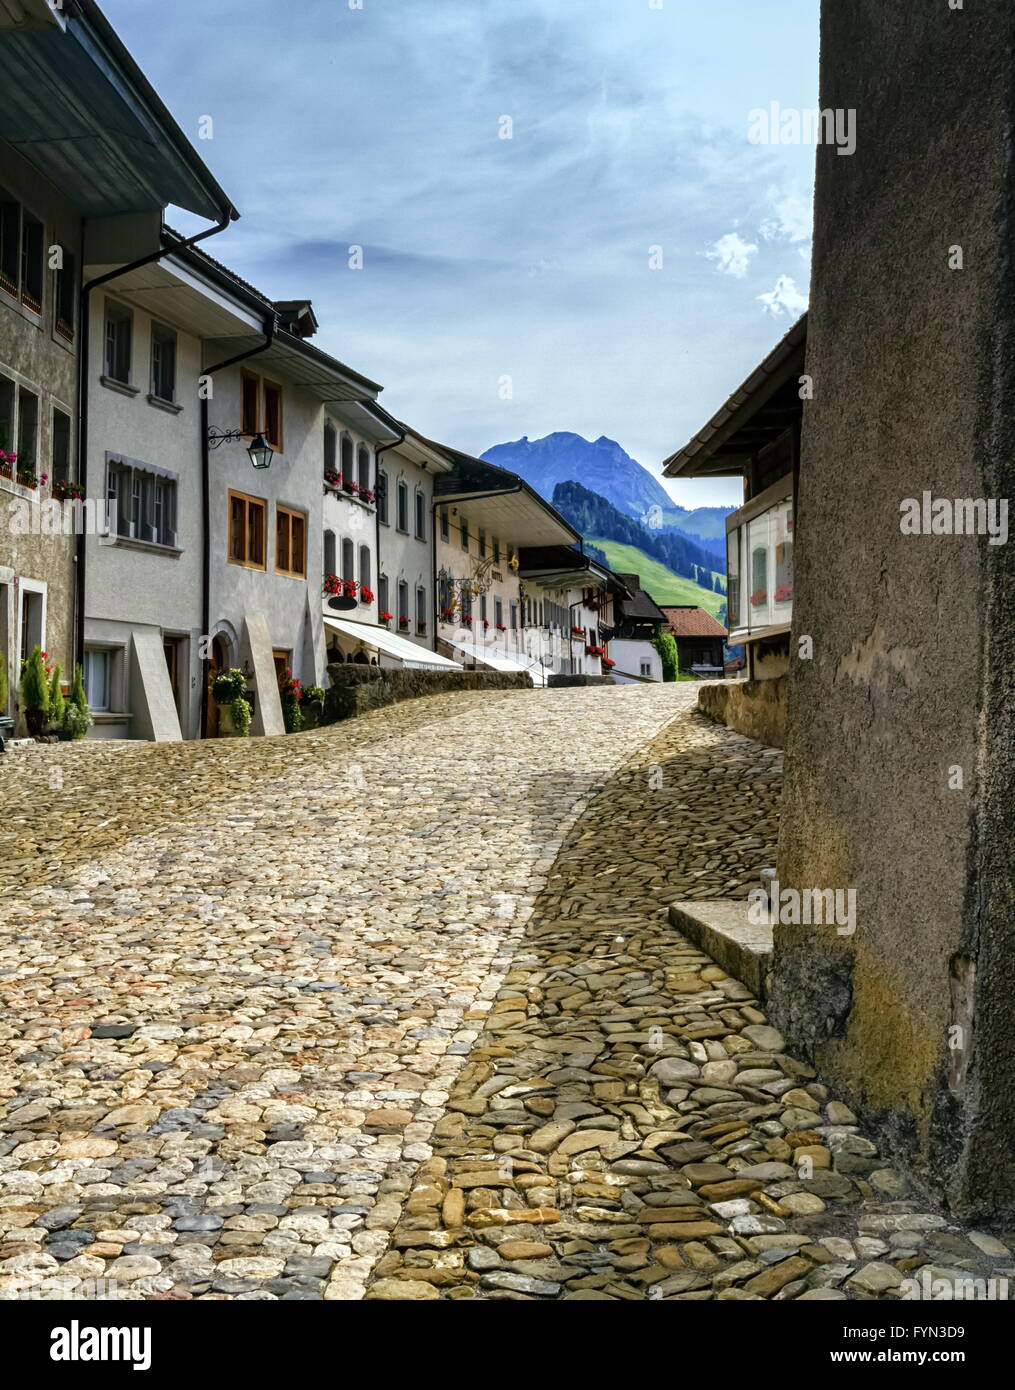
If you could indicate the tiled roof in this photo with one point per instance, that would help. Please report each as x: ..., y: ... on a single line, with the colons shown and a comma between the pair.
x: 693, y: 622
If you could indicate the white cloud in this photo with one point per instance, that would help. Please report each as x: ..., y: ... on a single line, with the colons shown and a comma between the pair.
x: 786, y: 298
x: 793, y: 219
x: 732, y: 255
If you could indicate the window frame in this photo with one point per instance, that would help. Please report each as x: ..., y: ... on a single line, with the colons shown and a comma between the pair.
x: 162, y: 335
x: 420, y: 515
x: 260, y: 424
x: 250, y: 501
x: 295, y: 523
x: 116, y: 312
x: 402, y: 506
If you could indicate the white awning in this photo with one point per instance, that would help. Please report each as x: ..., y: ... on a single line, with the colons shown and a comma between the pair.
x: 497, y: 661
x: 372, y: 635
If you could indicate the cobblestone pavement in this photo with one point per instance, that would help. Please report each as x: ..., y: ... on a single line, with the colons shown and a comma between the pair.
x: 237, y: 979
x: 394, y: 1007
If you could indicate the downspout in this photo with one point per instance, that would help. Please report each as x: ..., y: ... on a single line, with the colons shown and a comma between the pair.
x: 84, y: 351
x: 269, y: 337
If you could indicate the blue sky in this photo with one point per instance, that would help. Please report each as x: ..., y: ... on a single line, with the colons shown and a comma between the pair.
x: 525, y: 258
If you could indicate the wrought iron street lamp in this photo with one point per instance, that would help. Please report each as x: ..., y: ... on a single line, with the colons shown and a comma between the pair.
x: 259, y: 450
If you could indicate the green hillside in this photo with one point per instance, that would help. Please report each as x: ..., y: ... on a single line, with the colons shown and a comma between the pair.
x: 664, y: 586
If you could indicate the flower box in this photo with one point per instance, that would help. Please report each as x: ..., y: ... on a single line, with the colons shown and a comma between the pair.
x: 384, y: 617
x: 403, y: 623
x: 333, y: 585
x: 501, y: 627
x: 784, y: 593
x: 366, y: 595
x: 578, y: 632
x: 68, y: 492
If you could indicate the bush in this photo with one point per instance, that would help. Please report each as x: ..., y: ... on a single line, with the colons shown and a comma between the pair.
x: 77, y: 693
x: 76, y: 721
x: 241, y: 712
x: 228, y: 686
x: 34, y: 684
x: 666, y: 645
x: 57, y: 704
x: 312, y: 695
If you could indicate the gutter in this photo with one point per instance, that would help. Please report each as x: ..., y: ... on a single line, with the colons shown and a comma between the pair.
x: 269, y: 337
x: 229, y: 215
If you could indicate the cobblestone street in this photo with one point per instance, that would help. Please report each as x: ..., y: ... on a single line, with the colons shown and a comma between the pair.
x: 393, y: 1009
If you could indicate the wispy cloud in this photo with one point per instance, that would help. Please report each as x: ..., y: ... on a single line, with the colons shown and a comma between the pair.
x: 732, y: 255
x: 785, y: 298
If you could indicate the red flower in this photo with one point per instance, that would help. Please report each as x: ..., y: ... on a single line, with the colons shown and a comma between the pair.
x: 384, y: 617
x: 784, y: 593
x: 758, y: 597
x: 501, y: 627
x: 366, y: 595
x: 485, y: 623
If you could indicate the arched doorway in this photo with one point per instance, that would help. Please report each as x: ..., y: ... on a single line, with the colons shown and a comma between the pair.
x: 218, y: 662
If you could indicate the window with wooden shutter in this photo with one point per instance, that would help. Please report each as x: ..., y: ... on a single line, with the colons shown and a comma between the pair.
x: 246, y: 531
x: 290, y: 543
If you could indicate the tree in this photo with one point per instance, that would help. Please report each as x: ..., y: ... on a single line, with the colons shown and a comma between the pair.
x: 35, y: 691
x: 57, y: 704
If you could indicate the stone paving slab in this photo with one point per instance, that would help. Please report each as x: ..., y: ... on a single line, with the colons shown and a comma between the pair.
x: 723, y: 930
x: 238, y: 980
x: 629, y: 1126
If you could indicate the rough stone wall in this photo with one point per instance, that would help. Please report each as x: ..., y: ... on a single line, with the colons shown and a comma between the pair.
x: 913, y: 1016
x: 559, y: 680
x: 357, y: 689
x: 754, y: 708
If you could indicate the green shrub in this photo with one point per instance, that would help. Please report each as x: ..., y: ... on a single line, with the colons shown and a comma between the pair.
x: 34, y: 685
x: 241, y: 712
x: 312, y: 695
x: 77, y: 693
x: 57, y: 704
x: 228, y: 686
x: 666, y: 645
x: 76, y: 721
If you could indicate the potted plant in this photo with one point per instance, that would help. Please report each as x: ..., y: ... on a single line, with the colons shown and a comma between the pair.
x: 67, y: 492
x: 403, y: 622
x: 228, y: 690
x: 332, y: 479
x: 290, y: 693
x: 366, y: 594
x: 312, y: 705
x: 384, y: 617
x: 77, y: 717
x: 6, y: 724
x: 57, y: 704
x: 332, y: 584
x: 35, y: 691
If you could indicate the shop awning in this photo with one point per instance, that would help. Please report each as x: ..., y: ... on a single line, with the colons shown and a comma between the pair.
x: 373, y: 635
x: 488, y: 656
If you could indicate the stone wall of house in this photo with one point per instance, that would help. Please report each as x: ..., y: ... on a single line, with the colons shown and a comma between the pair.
x: 754, y: 708
x: 358, y: 689
x: 901, y: 737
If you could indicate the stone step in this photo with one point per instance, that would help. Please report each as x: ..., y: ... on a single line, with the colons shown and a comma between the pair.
x: 722, y: 927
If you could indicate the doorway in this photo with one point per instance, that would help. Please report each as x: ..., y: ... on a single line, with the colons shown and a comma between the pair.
x: 218, y: 662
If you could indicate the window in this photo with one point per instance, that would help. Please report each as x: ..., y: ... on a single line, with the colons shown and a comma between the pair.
x: 348, y: 560
x: 8, y: 394
x: 10, y: 244
x: 28, y: 431
x: 60, y: 464
x: 382, y: 496
x: 514, y: 614
x: 98, y: 668
x: 482, y: 545
x: 273, y: 415
x: 364, y: 565
x: 330, y: 552
x: 382, y: 594
x: 420, y: 516
x: 364, y: 467
x: 403, y: 604
x: 32, y: 261
x: 290, y: 543
x: 119, y: 331
x: 163, y: 363
x: 144, y: 501
x: 261, y: 409
x: 249, y: 398
x: 466, y: 598
x: 247, y: 516
x: 402, y: 507
x: 420, y: 610
x: 646, y: 668
x: 445, y: 532
x: 496, y: 551
x: 66, y: 295
x: 482, y: 608
x: 498, y: 612
x: 465, y: 532
x: 347, y: 452
x: 330, y: 447
x: 22, y: 253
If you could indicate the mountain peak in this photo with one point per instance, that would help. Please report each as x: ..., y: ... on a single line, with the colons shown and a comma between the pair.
x: 601, y: 465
